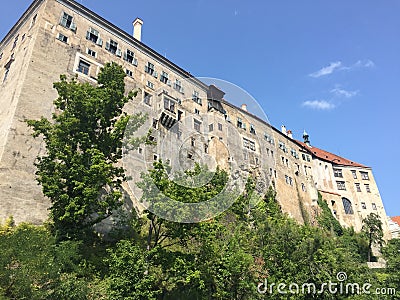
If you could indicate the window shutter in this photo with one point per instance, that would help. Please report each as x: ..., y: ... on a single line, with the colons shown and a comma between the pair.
x: 118, y: 52
x: 146, y: 69
x: 73, y: 26
x: 135, y: 62
x: 125, y: 55
x: 99, y: 42
x: 63, y: 21
x: 107, y: 46
x: 155, y: 74
x: 87, y: 35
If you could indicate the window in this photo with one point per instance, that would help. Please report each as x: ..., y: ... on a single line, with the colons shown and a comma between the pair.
x: 66, y: 21
x: 164, y: 77
x: 196, y: 98
x: 252, y: 129
x: 348, y: 209
x: 23, y: 37
x: 192, y: 141
x: 180, y: 113
x: 6, y: 73
x: 338, y: 173
x: 288, y: 180
x: 91, y: 52
x: 196, y: 124
x: 219, y: 126
x: 241, y: 124
x: 179, y: 134
x: 210, y: 127
x: 282, y: 146
x: 129, y: 56
x: 269, y: 138
x: 15, y: 42
x: 155, y: 157
x: 358, y: 188
x: 62, y: 38
x: 129, y: 73
x: 303, y: 187
x: 363, y: 205
x: 205, y: 148
x: 374, y: 206
x: 272, y: 153
x: 150, y: 85
x: 83, y: 67
x: 169, y: 104
x: 249, y: 144
x: 147, y: 98
x: 367, y: 188
x: 178, y: 86
x: 364, y: 175
x: 196, y: 111
x: 341, y: 185
x: 1, y: 55
x: 149, y: 68
x: 354, y: 174
x: 93, y: 35
x: 33, y: 20
x: 155, y: 123
x: 112, y: 47
x: 294, y: 153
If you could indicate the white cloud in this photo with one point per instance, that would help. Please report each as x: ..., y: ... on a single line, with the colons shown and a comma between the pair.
x: 338, y: 66
x: 327, y: 70
x: 343, y: 93
x: 319, y: 104
x: 363, y: 64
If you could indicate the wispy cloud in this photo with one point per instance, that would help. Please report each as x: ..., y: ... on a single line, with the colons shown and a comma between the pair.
x: 327, y: 70
x: 338, y: 66
x: 319, y: 104
x: 343, y: 93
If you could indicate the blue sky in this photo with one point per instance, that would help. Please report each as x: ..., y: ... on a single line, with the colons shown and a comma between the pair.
x: 330, y: 67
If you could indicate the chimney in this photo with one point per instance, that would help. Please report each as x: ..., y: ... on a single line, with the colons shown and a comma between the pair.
x: 283, y: 129
x: 244, y: 107
x: 290, y: 134
x: 137, y: 29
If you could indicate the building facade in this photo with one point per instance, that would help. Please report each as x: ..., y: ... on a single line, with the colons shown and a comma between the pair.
x: 56, y: 37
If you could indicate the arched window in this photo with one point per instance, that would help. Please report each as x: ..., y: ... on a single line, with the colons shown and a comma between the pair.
x: 348, y: 209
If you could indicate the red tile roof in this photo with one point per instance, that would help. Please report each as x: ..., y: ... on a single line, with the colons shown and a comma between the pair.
x: 327, y: 156
x: 396, y: 219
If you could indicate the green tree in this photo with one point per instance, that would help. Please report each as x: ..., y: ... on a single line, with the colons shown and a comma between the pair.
x: 372, y: 228
x: 83, y: 143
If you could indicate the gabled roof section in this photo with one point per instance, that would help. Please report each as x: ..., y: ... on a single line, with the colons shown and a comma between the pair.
x: 330, y: 157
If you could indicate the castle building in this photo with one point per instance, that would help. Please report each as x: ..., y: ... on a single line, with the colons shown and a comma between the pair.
x: 56, y: 37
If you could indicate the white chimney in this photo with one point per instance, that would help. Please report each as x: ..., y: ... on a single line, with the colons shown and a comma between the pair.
x: 137, y: 29
x: 244, y: 107
x: 290, y: 134
x: 283, y: 129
